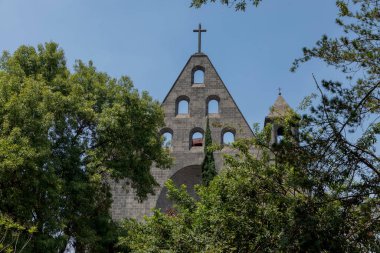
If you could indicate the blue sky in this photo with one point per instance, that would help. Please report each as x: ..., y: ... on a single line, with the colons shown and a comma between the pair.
x: 151, y: 40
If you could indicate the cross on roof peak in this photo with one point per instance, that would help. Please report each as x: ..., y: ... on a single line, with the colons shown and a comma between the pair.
x: 200, y: 31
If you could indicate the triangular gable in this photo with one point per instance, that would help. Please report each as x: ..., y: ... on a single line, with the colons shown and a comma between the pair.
x: 198, y: 94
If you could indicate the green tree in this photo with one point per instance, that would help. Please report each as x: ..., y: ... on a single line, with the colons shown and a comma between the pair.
x: 13, y: 236
x: 258, y: 204
x: 63, y: 136
x: 208, y: 165
x: 239, y: 5
x: 341, y: 130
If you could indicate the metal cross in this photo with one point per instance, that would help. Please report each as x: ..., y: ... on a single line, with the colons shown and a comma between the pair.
x: 199, y: 31
x: 279, y: 91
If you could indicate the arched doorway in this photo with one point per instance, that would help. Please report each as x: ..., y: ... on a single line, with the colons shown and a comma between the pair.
x: 189, y: 176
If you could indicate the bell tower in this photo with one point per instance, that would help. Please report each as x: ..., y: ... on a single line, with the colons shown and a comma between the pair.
x: 276, y: 117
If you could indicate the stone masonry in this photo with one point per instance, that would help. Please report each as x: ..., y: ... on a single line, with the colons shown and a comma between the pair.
x: 186, y: 168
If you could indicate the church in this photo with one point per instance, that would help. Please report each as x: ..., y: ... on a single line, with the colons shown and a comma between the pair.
x: 197, y: 94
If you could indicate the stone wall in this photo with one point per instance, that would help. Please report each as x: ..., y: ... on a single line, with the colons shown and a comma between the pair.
x: 181, y: 126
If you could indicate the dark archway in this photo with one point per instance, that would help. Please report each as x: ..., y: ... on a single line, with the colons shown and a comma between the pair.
x: 189, y: 176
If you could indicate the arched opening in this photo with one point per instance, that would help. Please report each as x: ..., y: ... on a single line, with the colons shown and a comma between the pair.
x: 198, y: 75
x: 197, y: 139
x: 167, y: 137
x: 182, y: 105
x: 213, y: 106
x: 189, y: 176
x: 168, y: 140
x: 280, y: 134
x: 228, y: 136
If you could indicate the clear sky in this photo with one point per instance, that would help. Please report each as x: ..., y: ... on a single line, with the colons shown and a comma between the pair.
x: 151, y: 40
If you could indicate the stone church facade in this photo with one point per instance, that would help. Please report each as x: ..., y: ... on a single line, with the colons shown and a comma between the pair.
x: 186, y: 127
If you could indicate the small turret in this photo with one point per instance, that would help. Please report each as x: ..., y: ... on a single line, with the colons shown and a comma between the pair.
x: 278, y: 113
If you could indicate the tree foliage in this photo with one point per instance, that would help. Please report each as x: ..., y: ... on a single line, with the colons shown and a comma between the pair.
x: 341, y: 131
x: 13, y: 236
x: 239, y: 5
x: 63, y: 136
x: 346, y: 121
x: 342, y: 128
x: 208, y: 165
x: 258, y: 204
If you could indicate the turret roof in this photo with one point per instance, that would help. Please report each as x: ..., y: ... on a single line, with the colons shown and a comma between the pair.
x: 279, y: 109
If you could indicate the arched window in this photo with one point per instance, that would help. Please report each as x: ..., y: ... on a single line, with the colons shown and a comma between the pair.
x: 280, y: 134
x: 213, y: 106
x: 198, y: 75
x: 167, y: 140
x: 167, y: 135
x: 182, y: 105
x: 228, y: 136
x: 196, y: 137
